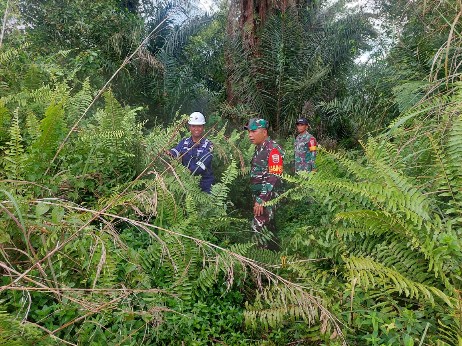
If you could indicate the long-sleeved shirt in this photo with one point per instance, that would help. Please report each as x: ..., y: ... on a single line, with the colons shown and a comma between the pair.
x: 266, y: 169
x: 197, y: 157
x: 305, y: 152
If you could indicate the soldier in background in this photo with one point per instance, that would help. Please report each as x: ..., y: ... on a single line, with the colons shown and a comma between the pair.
x: 265, y: 178
x: 305, y: 148
x: 195, y: 152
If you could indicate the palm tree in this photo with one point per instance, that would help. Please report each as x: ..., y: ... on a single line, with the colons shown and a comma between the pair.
x: 298, y: 56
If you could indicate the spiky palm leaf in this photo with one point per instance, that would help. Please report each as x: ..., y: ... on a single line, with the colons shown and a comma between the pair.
x: 297, y: 63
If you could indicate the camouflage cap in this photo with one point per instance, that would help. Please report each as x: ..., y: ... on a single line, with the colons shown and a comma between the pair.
x: 256, y: 123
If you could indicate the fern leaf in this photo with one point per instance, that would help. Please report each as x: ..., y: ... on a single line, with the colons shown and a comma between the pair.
x: 14, y: 158
x: 369, y: 273
x: 220, y: 190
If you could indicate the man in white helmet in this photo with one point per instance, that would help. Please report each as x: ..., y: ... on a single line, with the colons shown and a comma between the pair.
x: 195, y: 152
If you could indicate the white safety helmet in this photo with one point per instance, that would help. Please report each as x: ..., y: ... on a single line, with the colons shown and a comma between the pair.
x: 196, y: 118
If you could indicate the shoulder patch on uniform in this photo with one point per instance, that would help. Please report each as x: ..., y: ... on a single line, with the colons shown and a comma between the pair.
x: 312, y: 145
x: 275, y: 164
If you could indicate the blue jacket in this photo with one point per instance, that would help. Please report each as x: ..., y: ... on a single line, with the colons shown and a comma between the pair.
x: 198, y: 159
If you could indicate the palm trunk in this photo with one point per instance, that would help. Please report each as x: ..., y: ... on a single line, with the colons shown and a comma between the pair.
x: 5, y: 16
x: 250, y: 15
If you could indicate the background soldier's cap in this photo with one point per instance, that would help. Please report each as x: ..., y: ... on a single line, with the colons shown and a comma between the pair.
x: 303, y: 121
x: 256, y: 123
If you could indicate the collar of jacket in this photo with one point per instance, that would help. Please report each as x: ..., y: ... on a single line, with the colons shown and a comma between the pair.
x: 201, y: 141
x: 264, y: 144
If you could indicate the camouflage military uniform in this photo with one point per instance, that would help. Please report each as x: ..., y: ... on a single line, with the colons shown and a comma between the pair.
x: 265, y: 178
x: 305, y: 152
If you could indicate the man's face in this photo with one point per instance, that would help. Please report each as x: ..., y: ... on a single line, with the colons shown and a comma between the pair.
x: 301, y: 128
x: 258, y: 136
x: 196, y: 130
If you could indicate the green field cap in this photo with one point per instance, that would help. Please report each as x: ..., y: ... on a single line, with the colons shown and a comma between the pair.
x: 256, y: 123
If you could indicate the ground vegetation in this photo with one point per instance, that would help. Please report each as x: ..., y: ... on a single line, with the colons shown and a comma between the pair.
x: 106, y: 240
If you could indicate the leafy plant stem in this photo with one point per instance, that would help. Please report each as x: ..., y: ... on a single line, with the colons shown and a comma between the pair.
x: 101, y: 91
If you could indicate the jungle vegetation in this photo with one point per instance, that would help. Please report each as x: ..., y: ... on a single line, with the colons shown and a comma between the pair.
x: 105, y: 240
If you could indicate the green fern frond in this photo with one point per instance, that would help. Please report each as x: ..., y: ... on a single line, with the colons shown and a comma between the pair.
x: 414, y: 113
x: 220, y: 190
x: 190, y: 204
x: 5, y: 121
x: 14, y: 332
x: 277, y: 304
x: 454, y: 143
x: 265, y: 256
x: 450, y: 333
x: 369, y: 273
x: 10, y: 54
x: 450, y: 169
x: 52, y: 130
x: 408, y: 94
x: 14, y: 158
x: 358, y: 170
x: 162, y: 138
x: 391, y: 251
x: 114, y: 141
x: 43, y: 96
x: 32, y: 127
x: 388, y: 191
x: 241, y: 248
x: 375, y: 222
x: 208, y: 276
x: 79, y: 103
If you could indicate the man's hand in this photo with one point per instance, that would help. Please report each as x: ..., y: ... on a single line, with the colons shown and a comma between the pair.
x: 257, y: 209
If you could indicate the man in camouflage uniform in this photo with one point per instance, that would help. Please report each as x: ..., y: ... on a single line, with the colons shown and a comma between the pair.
x: 305, y: 148
x: 265, y: 178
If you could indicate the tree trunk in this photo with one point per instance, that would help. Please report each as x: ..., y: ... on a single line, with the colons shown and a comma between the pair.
x: 245, y: 18
x: 5, y: 16
x: 253, y: 14
x: 231, y: 29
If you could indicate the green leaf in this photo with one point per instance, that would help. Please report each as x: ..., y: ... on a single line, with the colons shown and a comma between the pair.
x: 41, y: 209
x: 4, y: 237
x: 15, y: 204
x: 57, y: 214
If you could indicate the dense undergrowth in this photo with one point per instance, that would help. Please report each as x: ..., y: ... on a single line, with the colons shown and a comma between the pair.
x: 105, y: 240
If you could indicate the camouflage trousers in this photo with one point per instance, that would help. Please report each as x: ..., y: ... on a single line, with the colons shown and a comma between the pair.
x: 264, y: 229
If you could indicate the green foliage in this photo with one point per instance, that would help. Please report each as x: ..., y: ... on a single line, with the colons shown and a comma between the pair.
x: 355, y: 116
x: 52, y: 132
x: 5, y: 119
x: 15, y: 333
x: 71, y: 25
x: 367, y: 273
x: 192, y: 63
x: 301, y: 60
x: 107, y: 240
x: 395, y: 223
x: 220, y: 190
x: 14, y: 156
x: 285, y: 306
x: 114, y: 139
x: 139, y: 250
